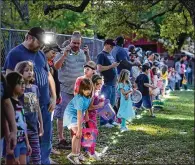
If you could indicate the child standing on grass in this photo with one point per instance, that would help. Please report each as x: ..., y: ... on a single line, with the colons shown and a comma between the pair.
x: 143, y: 85
x: 73, y: 118
x: 92, y: 111
x: 125, y: 111
x: 32, y: 112
x: 154, y: 92
x: 172, y: 79
x: 164, y: 77
x: 16, y: 86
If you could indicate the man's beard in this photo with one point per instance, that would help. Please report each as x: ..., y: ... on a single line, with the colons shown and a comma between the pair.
x: 33, y: 48
x: 75, y: 49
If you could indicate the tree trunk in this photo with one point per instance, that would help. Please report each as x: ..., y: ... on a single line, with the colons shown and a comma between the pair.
x: 180, y: 41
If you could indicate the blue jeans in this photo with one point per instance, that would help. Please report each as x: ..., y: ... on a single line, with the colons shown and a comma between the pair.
x: 1, y: 148
x: 189, y: 78
x: 110, y: 93
x: 46, y: 139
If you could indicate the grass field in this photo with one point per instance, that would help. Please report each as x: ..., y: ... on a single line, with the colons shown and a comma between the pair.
x: 167, y: 139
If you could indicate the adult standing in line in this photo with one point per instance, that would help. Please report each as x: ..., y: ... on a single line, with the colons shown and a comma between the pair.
x: 29, y: 50
x: 70, y: 66
x: 180, y: 68
x: 106, y: 65
x: 121, y: 56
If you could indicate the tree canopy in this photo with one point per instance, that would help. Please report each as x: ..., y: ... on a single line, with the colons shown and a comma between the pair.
x: 169, y: 22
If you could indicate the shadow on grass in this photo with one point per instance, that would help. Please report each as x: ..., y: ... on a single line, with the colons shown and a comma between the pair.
x: 137, y: 146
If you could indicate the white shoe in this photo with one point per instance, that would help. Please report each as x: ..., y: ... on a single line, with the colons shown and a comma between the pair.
x: 108, y: 125
x: 74, y: 158
x: 94, y: 156
x: 98, y: 154
x: 115, y: 123
x: 123, y: 129
x: 82, y: 157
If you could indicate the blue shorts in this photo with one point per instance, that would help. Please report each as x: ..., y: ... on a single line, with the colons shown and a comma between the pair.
x: 20, y: 149
x: 146, y: 101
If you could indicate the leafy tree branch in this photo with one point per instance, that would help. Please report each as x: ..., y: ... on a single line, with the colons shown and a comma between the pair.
x: 80, y: 9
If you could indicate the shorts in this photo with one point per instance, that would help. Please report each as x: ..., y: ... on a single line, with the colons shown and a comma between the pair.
x: 70, y: 128
x: 146, y: 101
x: 59, y: 110
x: 20, y: 149
x: 72, y: 125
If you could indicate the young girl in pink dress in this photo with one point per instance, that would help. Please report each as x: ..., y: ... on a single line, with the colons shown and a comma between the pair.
x: 92, y: 111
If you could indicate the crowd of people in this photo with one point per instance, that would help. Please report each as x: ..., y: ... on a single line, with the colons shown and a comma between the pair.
x: 45, y: 82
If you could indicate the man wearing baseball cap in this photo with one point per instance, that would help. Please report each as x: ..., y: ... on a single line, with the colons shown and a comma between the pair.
x: 29, y: 50
x: 106, y: 65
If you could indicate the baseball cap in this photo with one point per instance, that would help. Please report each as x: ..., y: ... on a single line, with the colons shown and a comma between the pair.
x: 131, y: 47
x: 38, y: 33
x: 109, y: 42
x: 90, y: 64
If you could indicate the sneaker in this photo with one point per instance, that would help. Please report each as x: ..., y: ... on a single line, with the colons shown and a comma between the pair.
x: 115, y: 123
x: 73, y: 158
x: 55, y: 152
x: 94, y: 156
x: 108, y: 125
x: 153, y: 116
x: 52, y: 162
x: 98, y: 154
x: 123, y: 129
x: 82, y: 157
x: 63, y: 144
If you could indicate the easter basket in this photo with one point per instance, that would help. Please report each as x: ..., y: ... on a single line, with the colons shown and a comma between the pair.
x: 106, y: 112
x: 89, y: 136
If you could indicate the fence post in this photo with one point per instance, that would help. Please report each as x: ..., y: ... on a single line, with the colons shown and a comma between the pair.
x: 10, y: 40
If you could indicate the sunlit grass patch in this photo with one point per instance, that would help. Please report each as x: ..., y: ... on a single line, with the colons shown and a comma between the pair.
x: 166, y: 139
x: 151, y: 129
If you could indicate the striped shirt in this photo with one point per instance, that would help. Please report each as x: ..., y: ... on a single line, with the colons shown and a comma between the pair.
x: 71, y: 69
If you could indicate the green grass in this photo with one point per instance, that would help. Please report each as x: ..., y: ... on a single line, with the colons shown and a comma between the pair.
x: 167, y: 139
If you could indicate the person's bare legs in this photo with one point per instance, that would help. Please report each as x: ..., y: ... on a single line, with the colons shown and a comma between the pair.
x: 151, y: 111
x: 22, y: 159
x: 11, y: 161
x: 75, y: 142
x: 60, y: 129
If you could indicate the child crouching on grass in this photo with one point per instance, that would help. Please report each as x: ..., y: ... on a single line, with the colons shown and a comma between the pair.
x: 73, y: 118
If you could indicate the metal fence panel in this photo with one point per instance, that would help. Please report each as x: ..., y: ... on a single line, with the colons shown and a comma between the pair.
x: 13, y: 37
